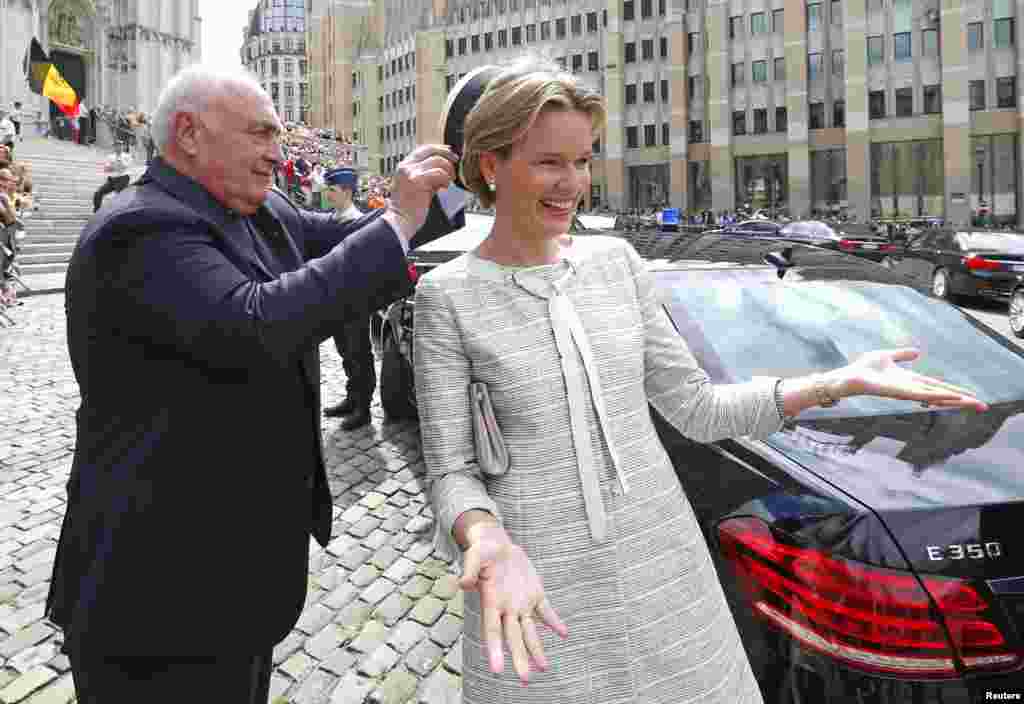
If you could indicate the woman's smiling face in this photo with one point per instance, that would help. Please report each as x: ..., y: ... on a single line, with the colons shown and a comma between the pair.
x: 546, y: 174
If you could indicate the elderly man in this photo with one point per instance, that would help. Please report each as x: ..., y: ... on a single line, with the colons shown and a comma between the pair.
x: 7, y: 131
x: 195, y: 307
x: 353, y: 339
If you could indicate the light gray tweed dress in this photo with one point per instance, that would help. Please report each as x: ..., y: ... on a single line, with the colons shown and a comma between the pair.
x: 572, y: 354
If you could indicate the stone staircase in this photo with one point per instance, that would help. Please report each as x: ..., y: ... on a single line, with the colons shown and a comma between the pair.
x: 64, y: 177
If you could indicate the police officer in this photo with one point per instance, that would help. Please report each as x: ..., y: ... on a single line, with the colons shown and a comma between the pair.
x: 353, y: 340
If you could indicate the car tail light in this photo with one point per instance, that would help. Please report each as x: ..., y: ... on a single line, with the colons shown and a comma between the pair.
x: 887, y: 247
x: 873, y: 618
x: 847, y: 245
x: 976, y: 263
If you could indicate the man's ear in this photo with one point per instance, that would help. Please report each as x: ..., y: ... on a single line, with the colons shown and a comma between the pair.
x: 185, y: 133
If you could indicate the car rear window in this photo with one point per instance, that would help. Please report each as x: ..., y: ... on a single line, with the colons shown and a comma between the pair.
x: 746, y: 324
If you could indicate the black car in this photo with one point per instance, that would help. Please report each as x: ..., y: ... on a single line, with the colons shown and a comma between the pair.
x: 954, y: 263
x: 867, y: 550
x: 852, y: 238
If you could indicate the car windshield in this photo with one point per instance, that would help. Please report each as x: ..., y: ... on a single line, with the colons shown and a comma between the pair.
x: 1002, y: 242
x: 746, y: 324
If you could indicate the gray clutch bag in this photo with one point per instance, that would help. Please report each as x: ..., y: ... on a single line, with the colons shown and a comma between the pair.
x: 491, y: 453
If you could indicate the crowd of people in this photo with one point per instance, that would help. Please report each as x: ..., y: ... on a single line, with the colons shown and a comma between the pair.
x: 16, y: 204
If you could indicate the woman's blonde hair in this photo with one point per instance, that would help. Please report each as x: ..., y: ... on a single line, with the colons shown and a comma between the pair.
x: 509, y: 107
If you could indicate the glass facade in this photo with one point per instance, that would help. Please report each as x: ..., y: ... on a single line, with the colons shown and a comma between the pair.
x: 699, y: 186
x: 907, y: 179
x: 994, y: 179
x: 284, y: 16
x: 648, y: 185
x: 828, y: 182
x: 762, y: 182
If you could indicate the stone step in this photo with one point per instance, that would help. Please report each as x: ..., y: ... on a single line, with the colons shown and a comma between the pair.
x: 25, y: 258
x: 33, y: 249
x: 31, y: 269
x: 65, y: 240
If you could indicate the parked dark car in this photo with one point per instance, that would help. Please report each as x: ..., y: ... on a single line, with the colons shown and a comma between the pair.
x: 852, y: 238
x: 962, y: 263
x: 867, y: 550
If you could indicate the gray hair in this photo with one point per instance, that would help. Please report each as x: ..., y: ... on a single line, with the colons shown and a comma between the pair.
x: 191, y: 90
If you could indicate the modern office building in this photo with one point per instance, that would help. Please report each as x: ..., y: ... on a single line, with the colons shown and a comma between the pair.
x: 114, y: 52
x: 891, y: 108
x: 274, y: 49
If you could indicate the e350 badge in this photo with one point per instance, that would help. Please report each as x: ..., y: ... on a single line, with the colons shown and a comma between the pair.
x: 965, y: 551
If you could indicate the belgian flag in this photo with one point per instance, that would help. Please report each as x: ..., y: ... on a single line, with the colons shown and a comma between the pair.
x: 44, y: 79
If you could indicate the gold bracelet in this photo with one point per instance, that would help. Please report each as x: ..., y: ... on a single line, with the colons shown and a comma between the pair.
x: 825, y: 400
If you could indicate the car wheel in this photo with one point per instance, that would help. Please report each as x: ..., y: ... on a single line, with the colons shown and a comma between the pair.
x: 940, y: 285
x: 397, y: 385
x: 1016, y: 316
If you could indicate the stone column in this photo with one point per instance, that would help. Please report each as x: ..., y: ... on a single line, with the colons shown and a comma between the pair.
x: 719, y: 105
x: 956, y: 116
x: 799, y: 156
x: 614, y: 164
x: 679, y: 98
x: 430, y: 84
x: 858, y: 134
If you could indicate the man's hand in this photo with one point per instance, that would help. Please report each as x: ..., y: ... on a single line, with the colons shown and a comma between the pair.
x: 427, y: 170
x: 512, y: 600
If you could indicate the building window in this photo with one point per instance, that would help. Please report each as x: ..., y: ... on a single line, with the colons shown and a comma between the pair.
x: 448, y: 53
x: 576, y: 24
x: 816, y: 116
x: 1006, y: 92
x: 901, y: 46
x: 462, y: 47
x: 560, y: 28
x: 691, y: 43
x: 665, y: 134
x: 474, y: 43
x: 645, y: 9
x: 517, y: 36
x: 975, y: 36
x: 591, y: 22
x: 760, y: 120
x: 696, y: 131
x: 814, y: 66
x: 648, y: 91
x: 1002, y: 33
x: 488, y: 41
x: 663, y: 45
x: 876, y: 104
x: 596, y: 146
x: 664, y: 90
x: 930, y: 42
x: 631, y: 94
x: 735, y: 27
x: 531, y: 33
x: 813, y: 16
x: 739, y: 122
x: 691, y: 86
x: 758, y: 23
x: 781, y: 120
x: 650, y: 136
x: 737, y: 74
x: 780, y: 69
x: 836, y: 12
x: 561, y: 62
x: 502, y: 38
x: 904, y: 106
x: 876, y: 51
x: 647, y: 49
x: 630, y: 52
x: 839, y: 113
x: 628, y: 11
x: 838, y: 63
x: 759, y: 71
x: 274, y: 68
x: 577, y: 63
x: 778, y: 21
x: 289, y: 92
x: 661, y: 8
x: 593, y: 63
x: 933, y: 99
x: 632, y: 137
x: 976, y: 89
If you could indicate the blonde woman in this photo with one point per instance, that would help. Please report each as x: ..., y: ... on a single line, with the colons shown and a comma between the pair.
x: 588, y: 533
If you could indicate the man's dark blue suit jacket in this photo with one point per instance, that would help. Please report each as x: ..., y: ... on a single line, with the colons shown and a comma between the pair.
x: 198, y: 473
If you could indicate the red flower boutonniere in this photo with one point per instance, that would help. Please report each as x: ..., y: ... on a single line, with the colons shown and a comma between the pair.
x: 414, y: 275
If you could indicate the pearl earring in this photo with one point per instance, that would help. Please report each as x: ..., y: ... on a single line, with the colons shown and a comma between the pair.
x: 491, y: 187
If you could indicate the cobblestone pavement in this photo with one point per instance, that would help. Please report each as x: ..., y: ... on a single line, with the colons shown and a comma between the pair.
x: 383, y: 619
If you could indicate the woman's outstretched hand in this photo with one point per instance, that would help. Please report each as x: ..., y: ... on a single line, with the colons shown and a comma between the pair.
x: 512, y: 600
x: 879, y: 374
